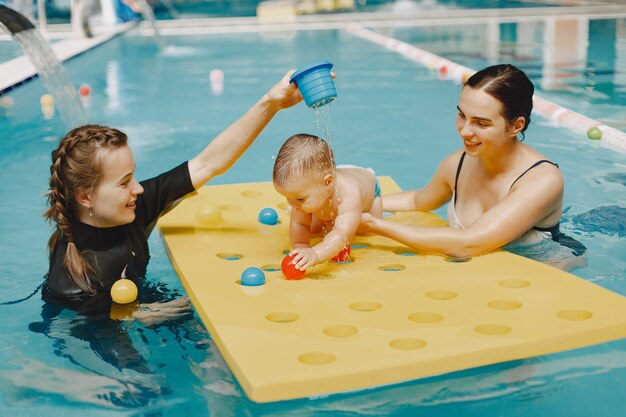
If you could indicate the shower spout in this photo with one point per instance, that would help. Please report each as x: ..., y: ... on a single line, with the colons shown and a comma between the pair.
x: 13, y: 21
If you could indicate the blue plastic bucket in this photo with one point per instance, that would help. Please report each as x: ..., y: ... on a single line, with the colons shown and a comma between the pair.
x: 316, y: 84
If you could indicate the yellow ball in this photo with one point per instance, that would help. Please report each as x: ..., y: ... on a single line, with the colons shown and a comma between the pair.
x: 124, y: 291
x: 208, y: 214
x: 47, y: 100
x: 6, y: 101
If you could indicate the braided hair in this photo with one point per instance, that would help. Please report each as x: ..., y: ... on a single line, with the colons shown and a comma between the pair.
x: 76, y: 167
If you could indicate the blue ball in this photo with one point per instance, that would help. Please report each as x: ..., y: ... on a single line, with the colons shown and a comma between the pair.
x: 268, y: 216
x: 252, y: 277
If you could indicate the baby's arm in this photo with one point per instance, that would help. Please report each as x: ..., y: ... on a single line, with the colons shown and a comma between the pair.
x: 344, y: 228
x: 300, y: 229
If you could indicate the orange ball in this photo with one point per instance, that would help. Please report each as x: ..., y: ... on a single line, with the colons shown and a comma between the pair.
x: 289, y: 269
x: 84, y: 90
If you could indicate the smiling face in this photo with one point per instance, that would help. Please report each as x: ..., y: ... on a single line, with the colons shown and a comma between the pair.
x: 309, y: 193
x: 481, y: 124
x: 113, y: 201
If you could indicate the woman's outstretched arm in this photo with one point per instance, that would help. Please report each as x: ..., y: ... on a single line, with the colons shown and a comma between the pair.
x: 229, y: 145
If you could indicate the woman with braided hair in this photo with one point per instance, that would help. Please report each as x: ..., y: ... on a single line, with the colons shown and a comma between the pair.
x: 103, y: 215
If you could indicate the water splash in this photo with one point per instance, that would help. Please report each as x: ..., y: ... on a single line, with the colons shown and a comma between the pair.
x: 53, y: 76
x: 322, y: 123
x: 47, y: 65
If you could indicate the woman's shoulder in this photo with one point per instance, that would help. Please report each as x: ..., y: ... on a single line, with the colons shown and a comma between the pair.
x: 449, y: 166
x: 452, y: 160
x: 534, y: 160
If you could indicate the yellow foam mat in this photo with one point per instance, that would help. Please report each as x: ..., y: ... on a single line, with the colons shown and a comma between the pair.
x: 389, y: 316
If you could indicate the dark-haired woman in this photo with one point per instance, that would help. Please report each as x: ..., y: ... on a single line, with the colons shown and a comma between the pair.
x: 500, y: 190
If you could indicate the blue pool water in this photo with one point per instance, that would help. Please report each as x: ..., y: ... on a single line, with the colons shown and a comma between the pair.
x: 390, y: 114
x: 590, y: 79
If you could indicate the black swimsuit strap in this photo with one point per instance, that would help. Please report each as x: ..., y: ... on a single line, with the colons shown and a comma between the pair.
x: 458, y: 171
x: 531, y: 167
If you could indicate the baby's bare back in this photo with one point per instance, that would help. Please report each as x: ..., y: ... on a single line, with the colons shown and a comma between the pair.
x: 357, y: 183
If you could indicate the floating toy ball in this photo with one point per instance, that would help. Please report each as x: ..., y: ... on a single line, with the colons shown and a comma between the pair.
x: 343, y: 255
x: 289, y: 269
x: 594, y: 133
x: 46, y: 100
x: 252, y: 277
x: 208, y: 214
x: 84, y: 90
x: 268, y: 216
x: 6, y: 101
x: 216, y: 75
x: 124, y: 291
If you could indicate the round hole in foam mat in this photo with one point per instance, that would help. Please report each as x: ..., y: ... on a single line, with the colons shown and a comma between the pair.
x: 347, y: 261
x: 282, y: 317
x: 392, y: 268
x: 441, y: 295
x: 271, y: 268
x: 574, y: 315
x: 404, y: 252
x: 359, y: 245
x: 504, y: 304
x: 229, y: 256
x: 365, y: 306
x: 492, y: 329
x: 457, y: 260
x: 317, y: 358
x: 320, y: 276
x: 341, y: 330
x: 407, y: 344
x: 514, y: 283
x: 251, y: 193
x: 425, y: 317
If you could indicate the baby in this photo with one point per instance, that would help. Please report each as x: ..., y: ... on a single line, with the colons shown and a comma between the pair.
x: 321, y: 194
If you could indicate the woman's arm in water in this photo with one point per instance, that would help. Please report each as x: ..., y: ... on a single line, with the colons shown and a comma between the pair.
x: 229, y: 145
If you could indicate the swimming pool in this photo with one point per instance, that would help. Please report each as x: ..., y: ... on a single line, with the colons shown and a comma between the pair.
x: 586, y: 79
x: 391, y: 114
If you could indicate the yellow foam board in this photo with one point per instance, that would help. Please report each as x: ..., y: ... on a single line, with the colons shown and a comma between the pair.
x: 390, y: 315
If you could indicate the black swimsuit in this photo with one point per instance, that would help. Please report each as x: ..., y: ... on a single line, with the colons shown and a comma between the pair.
x: 554, y: 231
x: 110, y: 250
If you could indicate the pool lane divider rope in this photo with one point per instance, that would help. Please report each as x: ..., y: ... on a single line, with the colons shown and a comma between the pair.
x: 560, y: 116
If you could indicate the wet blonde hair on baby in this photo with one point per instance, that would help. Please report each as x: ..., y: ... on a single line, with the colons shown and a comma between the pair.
x: 302, y: 155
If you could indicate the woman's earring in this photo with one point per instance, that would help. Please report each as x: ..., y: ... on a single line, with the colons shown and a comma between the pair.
x: 90, y: 211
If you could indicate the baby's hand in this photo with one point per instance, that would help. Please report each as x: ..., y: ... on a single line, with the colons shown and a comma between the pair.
x: 304, y: 258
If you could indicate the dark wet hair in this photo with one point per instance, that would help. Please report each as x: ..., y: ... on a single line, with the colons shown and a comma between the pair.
x: 511, y: 86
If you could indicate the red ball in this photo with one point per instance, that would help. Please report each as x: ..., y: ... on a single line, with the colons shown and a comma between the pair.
x: 289, y: 270
x: 343, y: 255
x: 84, y: 90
